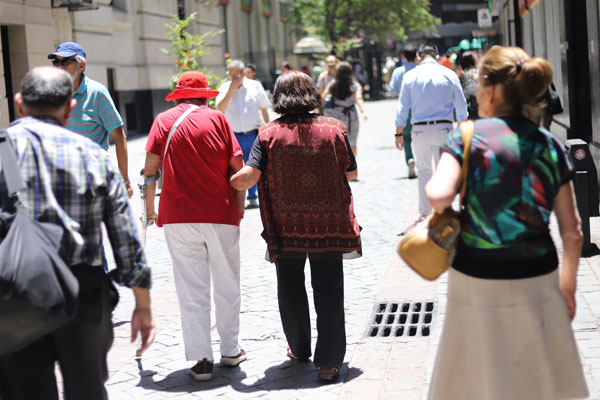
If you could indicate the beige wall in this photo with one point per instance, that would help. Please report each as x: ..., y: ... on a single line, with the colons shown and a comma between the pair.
x: 127, y: 36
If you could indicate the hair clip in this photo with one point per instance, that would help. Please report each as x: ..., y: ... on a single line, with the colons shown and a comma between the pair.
x: 519, y: 65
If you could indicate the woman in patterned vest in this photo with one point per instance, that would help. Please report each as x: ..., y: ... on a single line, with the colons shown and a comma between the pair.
x: 302, y: 163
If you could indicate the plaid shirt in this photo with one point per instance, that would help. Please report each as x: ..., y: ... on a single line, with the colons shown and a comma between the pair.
x: 72, y: 182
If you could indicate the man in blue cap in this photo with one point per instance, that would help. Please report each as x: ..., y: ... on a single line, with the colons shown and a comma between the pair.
x: 95, y: 115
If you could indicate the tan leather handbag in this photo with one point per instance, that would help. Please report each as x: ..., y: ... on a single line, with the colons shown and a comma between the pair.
x: 429, y: 247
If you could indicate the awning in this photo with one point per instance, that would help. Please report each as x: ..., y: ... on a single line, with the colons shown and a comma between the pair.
x: 310, y: 45
x: 526, y: 5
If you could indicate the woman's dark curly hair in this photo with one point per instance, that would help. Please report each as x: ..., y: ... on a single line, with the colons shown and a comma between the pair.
x: 344, y: 77
x: 295, y: 92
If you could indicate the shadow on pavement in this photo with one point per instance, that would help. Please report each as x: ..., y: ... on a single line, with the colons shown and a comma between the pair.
x: 288, y: 375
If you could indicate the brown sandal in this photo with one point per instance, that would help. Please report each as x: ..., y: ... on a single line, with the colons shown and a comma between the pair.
x: 328, y: 373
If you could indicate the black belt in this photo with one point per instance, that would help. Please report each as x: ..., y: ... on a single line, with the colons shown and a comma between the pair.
x: 439, y: 121
x: 246, y: 133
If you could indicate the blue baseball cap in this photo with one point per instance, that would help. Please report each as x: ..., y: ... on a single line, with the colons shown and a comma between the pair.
x: 67, y: 49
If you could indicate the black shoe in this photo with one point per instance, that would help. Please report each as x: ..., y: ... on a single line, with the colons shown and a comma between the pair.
x: 202, y: 371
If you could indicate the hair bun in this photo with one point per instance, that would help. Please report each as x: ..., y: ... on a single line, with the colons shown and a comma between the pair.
x: 533, y: 78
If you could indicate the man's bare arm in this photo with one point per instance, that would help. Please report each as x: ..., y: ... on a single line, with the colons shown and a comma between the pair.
x: 118, y: 135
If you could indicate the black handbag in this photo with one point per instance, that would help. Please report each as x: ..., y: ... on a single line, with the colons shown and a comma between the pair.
x: 38, y: 291
x: 553, y: 100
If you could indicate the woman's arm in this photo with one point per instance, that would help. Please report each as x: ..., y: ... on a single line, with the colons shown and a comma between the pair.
x: 442, y: 187
x: 245, y: 178
x: 569, y: 226
x: 360, y: 102
x: 235, y: 164
x: 324, y: 94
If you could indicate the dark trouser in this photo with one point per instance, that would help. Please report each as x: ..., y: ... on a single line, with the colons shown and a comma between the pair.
x: 246, y: 142
x: 327, y: 280
x: 80, y: 347
x: 408, y: 154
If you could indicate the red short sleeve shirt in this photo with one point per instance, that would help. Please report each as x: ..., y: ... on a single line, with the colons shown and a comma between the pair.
x: 195, y: 169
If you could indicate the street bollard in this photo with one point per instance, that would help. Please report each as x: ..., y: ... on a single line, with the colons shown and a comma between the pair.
x: 586, y: 190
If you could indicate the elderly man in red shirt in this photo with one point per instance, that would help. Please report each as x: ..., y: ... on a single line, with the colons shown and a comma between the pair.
x: 201, y: 214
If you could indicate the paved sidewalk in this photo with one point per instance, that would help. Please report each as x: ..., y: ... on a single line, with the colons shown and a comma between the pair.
x: 393, y: 367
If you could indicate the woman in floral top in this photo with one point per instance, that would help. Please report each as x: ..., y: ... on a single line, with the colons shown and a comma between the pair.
x: 507, y: 333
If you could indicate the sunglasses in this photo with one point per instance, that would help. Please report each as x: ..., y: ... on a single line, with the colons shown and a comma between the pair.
x: 64, y: 62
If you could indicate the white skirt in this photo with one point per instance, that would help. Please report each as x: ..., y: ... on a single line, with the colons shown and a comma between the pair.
x: 506, y: 339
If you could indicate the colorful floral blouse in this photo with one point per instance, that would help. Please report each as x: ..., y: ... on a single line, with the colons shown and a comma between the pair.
x: 515, y: 172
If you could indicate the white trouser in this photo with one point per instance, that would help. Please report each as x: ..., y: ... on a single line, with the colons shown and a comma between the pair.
x: 426, y: 142
x: 200, y: 251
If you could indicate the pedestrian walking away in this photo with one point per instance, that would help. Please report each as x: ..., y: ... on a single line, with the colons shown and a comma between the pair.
x: 432, y: 93
x: 328, y: 75
x: 340, y: 98
x: 200, y: 214
x: 410, y: 55
x: 243, y: 101
x: 468, y: 82
x: 302, y: 163
x: 95, y: 115
x: 72, y: 182
x: 504, y: 283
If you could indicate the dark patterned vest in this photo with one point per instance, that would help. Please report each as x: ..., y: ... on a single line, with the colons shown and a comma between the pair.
x: 306, y: 202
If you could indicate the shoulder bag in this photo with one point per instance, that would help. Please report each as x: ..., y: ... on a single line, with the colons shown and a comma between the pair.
x: 38, y: 291
x: 430, y: 246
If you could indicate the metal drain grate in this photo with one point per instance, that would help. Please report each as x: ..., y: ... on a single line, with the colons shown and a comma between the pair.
x: 402, y: 319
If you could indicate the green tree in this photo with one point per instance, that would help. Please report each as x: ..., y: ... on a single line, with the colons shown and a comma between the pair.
x: 340, y: 22
x: 188, y: 49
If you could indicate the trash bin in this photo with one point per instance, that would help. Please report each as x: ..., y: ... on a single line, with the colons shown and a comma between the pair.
x: 586, y: 190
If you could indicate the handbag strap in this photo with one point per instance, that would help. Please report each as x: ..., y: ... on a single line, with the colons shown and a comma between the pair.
x: 176, y: 125
x: 466, y: 130
x: 11, y: 171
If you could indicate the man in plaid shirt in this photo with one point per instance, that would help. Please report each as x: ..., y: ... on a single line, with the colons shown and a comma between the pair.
x: 72, y: 182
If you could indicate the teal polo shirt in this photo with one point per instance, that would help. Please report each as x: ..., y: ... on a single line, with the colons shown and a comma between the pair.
x: 95, y: 114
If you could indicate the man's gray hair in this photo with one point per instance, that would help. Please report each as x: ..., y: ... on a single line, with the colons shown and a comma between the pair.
x: 236, y: 64
x: 46, y: 88
x: 79, y: 60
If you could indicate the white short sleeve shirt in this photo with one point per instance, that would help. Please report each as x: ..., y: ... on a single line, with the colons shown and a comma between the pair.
x: 243, y: 111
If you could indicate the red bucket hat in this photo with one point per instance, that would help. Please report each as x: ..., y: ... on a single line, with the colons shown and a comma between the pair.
x: 191, y: 85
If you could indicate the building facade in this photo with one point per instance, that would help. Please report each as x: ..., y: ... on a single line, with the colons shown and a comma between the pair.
x: 123, y: 41
x: 566, y: 34
x: 459, y: 22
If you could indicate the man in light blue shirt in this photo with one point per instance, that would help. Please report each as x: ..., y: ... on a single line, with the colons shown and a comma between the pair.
x: 410, y: 55
x: 433, y: 94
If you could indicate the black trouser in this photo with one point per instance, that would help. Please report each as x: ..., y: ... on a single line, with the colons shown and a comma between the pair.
x: 327, y: 280
x: 80, y: 347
